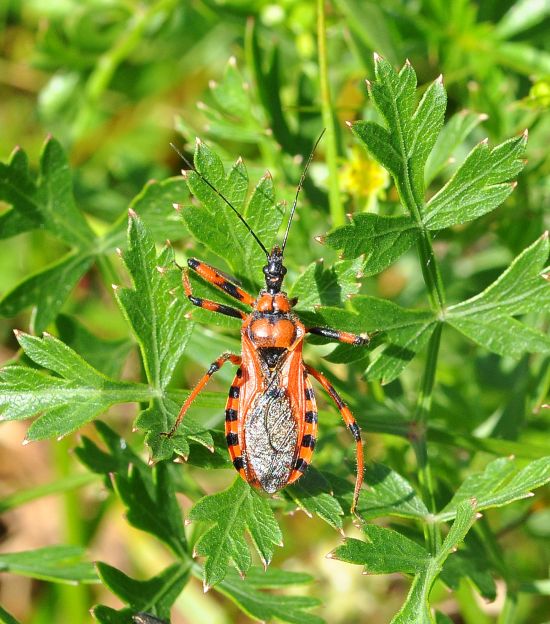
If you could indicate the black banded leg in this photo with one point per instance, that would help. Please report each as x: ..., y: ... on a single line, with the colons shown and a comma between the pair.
x: 215, y: 366
x: 215, y: 277
x: 358, y: 340
x: 352, y: 426
x: 206, y: 304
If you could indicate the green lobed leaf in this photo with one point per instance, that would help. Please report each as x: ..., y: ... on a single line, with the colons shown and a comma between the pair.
x: 154, y: 596
x: 267, y: 606
x: 332, y: 286
x: 522, y: 288
x: 388, y: 493
x: 218, y: 227
x: 67, y: 401
x: 47, y: 290
x: 61, y: 564
x: 453, y: 134
x: 382, y: 239
x: 478, y: 186
x: 416, y: 607
x: 501, y: 483
x: 404, y: 146
x: 312, y: 494
x: 385, y: 551
x: 232, y: 512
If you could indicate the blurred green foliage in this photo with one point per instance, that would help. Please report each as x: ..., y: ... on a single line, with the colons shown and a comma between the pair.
x: 115, y: 82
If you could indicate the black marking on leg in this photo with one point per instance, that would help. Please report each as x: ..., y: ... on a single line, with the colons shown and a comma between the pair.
x: 229, y: 311
x: 301, y: 465
x: 309, y: 394
x: 231, y: 289
x: 239, y: 372
x: 238, y: 463
x: 354, y: 428
x: 232, y: 439
x: 336, y: 397
x: 308, y: 441
x: 234, y: 392
x: 231, y: 415
x: 361, y: 341
x: 195, y: 300
x: 310, y: 417
x: 193, y: 263
x: 213, y: 368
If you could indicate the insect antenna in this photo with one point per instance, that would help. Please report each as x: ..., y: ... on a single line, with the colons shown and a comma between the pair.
x: 206, y: 181
x: 300, y: 185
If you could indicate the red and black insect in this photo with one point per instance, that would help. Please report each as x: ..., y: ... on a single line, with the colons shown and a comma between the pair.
x: 271, y: 414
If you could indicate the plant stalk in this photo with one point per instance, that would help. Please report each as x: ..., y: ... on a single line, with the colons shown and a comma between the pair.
x: 419, y: 437
x: 335, y: 202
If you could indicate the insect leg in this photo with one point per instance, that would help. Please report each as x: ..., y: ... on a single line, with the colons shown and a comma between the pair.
x: 358, y: 340
x: 352, y: 426
x: 210, y: 274
x: 206, y: 304
x: 215, y: 366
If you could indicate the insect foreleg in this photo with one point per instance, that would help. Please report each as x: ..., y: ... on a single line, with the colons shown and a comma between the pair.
x: 211, y: 275
x: 207, y: 304
x: 352, y: 426
x: 340, y: 336
x: 214, y: 367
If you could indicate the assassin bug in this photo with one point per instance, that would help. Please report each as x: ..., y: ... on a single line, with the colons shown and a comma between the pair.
x: 271, y: 414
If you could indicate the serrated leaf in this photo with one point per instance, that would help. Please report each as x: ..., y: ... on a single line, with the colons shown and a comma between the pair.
x: 264, y: 606
x: 388, y: 493
x: 454, y: 132
x: 522, y: 288
x: 479, y: 185
x: 330, y: 286
x: 46, y: 289
x: 107, y: 356
x: 385, y: 551
x: 311, y: 494
x: 65, y: 402
x: 154, y: 596
x: 234, y: 511
x: 501, y: 483
x: 61, y: 564
x: 382, y: 239
x: 416, y: 607
x: 404, y: 146
x: 49, y: 202
x: 218, y: 227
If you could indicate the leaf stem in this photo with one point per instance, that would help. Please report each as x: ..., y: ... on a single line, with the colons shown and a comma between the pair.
x: 419, y: 439
x: 335, y: 203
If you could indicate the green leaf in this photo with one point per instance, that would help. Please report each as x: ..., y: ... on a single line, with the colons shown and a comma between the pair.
x: 382, y: 239
x: 6, y: 618
x: 264, y: 606
x: 472, y: 565
x: 107, y: 356
x: 332, y: 286
x: 385, y: 551
x: 388, y: 493
x: 404, y: 146
x: 522, y: 15
x: 218, y: 227
x: 311, y: 494
x: 232, y: 512
x: 501, y: 483
x: 61, y: 564
x: 49, y: 202
x: 479, y: 185
x: 416, y: 607
x: 522, y: 288
x: 148, y: 494
x: 66, y: 401
x: 453, y: 134
x: 154, y: 596
x: 46, y: 289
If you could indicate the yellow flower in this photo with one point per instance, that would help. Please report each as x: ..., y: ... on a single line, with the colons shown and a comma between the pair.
x: 361, y: 176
